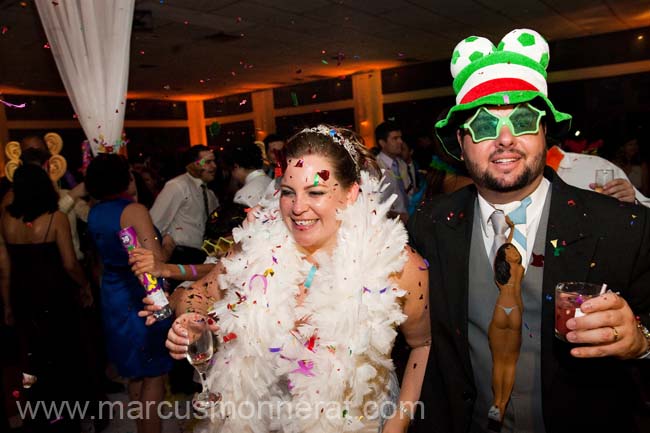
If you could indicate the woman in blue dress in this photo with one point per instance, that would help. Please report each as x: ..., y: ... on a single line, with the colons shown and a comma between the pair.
x: 137, y: 351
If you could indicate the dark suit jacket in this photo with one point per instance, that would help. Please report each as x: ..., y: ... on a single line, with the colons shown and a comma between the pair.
x: 602, y: 241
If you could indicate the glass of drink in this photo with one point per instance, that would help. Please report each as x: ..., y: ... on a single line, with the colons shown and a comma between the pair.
x: 603, y: 176
x: 569, y: 296
x: 199, y: 353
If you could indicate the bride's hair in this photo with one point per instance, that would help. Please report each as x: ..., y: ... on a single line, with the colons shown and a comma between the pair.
x: 344, y: 148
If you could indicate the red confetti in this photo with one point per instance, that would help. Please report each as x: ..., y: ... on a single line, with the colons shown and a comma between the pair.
x: 15, y: 394
x: 46, y: 46
x: 186, y: 22
x: 238, y: 19
x: 5, y: 29
x: 311, y: 342
x: 538, y: 260
x: 299, y: 163
x: 571, y: 202
x: 142, y: 52
x: 324, y: 174
x: 314, y: 96
x: 229, y: 337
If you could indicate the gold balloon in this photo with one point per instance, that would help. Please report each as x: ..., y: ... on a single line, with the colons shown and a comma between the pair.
x: 12, y: 150
x: 10, y: 168
x: 54, y: 142
x: 58, y: 166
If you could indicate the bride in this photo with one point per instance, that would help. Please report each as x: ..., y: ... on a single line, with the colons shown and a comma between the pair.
x: 306, y: 308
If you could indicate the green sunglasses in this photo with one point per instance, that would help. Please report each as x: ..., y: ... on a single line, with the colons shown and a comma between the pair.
x: 524, y: 119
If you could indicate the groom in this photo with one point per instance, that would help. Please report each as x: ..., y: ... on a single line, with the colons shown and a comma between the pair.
x: 498, y: 128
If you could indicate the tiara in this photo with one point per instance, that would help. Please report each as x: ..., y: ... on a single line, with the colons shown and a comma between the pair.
x: 338, y: 139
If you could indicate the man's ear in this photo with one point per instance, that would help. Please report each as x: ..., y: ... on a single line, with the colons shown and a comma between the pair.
x: 381, y: 142
x: 194, y: 169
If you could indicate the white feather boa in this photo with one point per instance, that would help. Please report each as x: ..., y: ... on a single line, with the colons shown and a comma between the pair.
x: 338, y: 359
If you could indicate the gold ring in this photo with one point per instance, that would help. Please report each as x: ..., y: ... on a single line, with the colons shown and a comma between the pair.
x: 615, y: 333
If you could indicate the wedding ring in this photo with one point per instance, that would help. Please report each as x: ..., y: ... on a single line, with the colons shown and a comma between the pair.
x: 615, y: 333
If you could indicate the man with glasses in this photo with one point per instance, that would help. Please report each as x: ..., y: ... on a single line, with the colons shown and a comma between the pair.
x: 562, y: 233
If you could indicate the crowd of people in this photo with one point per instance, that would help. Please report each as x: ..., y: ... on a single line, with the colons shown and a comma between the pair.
x: 393, y: 289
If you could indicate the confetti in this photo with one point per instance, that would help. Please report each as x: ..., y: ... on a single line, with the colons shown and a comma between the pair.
x: 294, y: 99
x: 557, y: 251
x: 538, y: 260
x: 46, y: 46
x: 571, y: 202
x: 554, y: 243
x: 324, y: 174
x: 229, y: 337
x: 15, y: 394
x: 314, y: 96
x: 274, y: 349
x: 238, y: 20
x: 264, y: 282
x: 214, y: 129
x: 23, y: 105
x: 243, y: 102
x: 299, y: 163
x: 426, y: 265
x: 324, y: 62
x: 305, y: 368
x: 5, y: 29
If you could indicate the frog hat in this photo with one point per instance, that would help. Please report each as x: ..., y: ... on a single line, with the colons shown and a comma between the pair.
x: 511, y: 73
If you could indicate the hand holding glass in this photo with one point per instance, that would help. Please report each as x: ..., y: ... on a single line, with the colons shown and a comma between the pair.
x: 568, y: 299
x: 199, y: 353
x: 603, y: 177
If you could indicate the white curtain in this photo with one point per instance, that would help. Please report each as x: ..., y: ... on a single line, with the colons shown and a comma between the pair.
x: 90, y: 43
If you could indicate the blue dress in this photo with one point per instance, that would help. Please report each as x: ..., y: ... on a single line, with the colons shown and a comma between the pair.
x: 135, y: 349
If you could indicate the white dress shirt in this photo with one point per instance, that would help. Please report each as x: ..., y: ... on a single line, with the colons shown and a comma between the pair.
x: 533, y: 216
x: 252, y: 192
x: 579, y: 170
x: 385, y: 163
x: 179, y: 210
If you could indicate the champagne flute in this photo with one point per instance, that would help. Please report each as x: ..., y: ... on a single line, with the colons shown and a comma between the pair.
x: 199, y: 354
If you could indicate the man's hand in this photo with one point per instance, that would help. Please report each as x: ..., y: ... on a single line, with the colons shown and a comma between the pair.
x: 620, y: 189
x: 608, y: 328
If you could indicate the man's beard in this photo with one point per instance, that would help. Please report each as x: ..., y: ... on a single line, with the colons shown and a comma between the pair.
x: 486, y: 180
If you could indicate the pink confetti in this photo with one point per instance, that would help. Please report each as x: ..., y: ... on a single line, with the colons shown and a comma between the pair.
x: 5, y: 29
x: 23, y: 105
x: 46, y: 46
x: 243, y: 102
x: 305, y: 368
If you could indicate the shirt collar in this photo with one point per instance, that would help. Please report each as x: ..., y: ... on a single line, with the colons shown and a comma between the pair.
x: 197, y: 180
x: 387, y: 159
x: 487, y: 209
x: 253, y: 174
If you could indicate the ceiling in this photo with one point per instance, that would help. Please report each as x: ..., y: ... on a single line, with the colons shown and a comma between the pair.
x: 190, y: 49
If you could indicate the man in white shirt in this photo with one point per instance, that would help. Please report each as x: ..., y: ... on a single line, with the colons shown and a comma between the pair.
x: 183, y: 206
x: 247, y: 169
x: 578, y: 169
x: 388, y: 136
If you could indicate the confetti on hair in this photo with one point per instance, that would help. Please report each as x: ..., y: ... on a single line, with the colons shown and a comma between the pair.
x: 23, y: 105
x: 275, y: 349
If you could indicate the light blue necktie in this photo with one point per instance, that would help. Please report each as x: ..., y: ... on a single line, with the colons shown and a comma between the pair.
x: 518, y: 216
